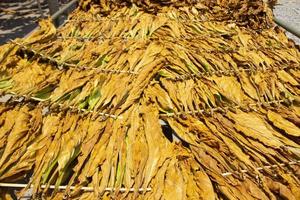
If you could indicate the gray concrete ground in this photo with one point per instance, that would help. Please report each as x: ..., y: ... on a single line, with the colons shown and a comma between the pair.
x: 19, y: 17
x: 289, y: 10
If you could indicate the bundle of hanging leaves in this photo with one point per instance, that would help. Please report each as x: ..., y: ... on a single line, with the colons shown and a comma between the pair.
x: 153, y: 100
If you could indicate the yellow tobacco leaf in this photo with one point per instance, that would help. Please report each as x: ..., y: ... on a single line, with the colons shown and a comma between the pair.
x: 255, y: 127
x: 173, y: 186
x: 283, y: 124
x: 230, y: 88
x: 247, y: 86
x: 286, y: 77
x: 157, y: 146
x: 44, y: 33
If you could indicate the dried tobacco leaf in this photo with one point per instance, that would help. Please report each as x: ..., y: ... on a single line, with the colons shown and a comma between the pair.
x: 148, y: 99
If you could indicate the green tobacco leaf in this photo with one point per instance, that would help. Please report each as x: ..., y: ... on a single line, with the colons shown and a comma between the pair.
x: 44, y: 94
x: 101, y: 60
x: 65, y: 172
x: 6, y: 83
x: 83, y: 104
x: 70, y: 95
x: 94, y: 98
x: 46, y: 174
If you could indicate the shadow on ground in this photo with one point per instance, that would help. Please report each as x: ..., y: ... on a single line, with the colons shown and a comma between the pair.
x: 19, y: 17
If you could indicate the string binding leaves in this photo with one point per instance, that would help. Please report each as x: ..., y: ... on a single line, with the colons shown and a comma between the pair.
x: 227, y: 72
x: 85, y: 189
x: 15, y: 98
x: 91, y: 189
x: 175, y: 40
x: 126, y: 18
x: 69, y: 65
x: 210, y: 111
x: 262, y: 168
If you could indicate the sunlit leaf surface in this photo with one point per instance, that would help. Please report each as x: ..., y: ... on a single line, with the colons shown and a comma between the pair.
x: 87, y: 102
